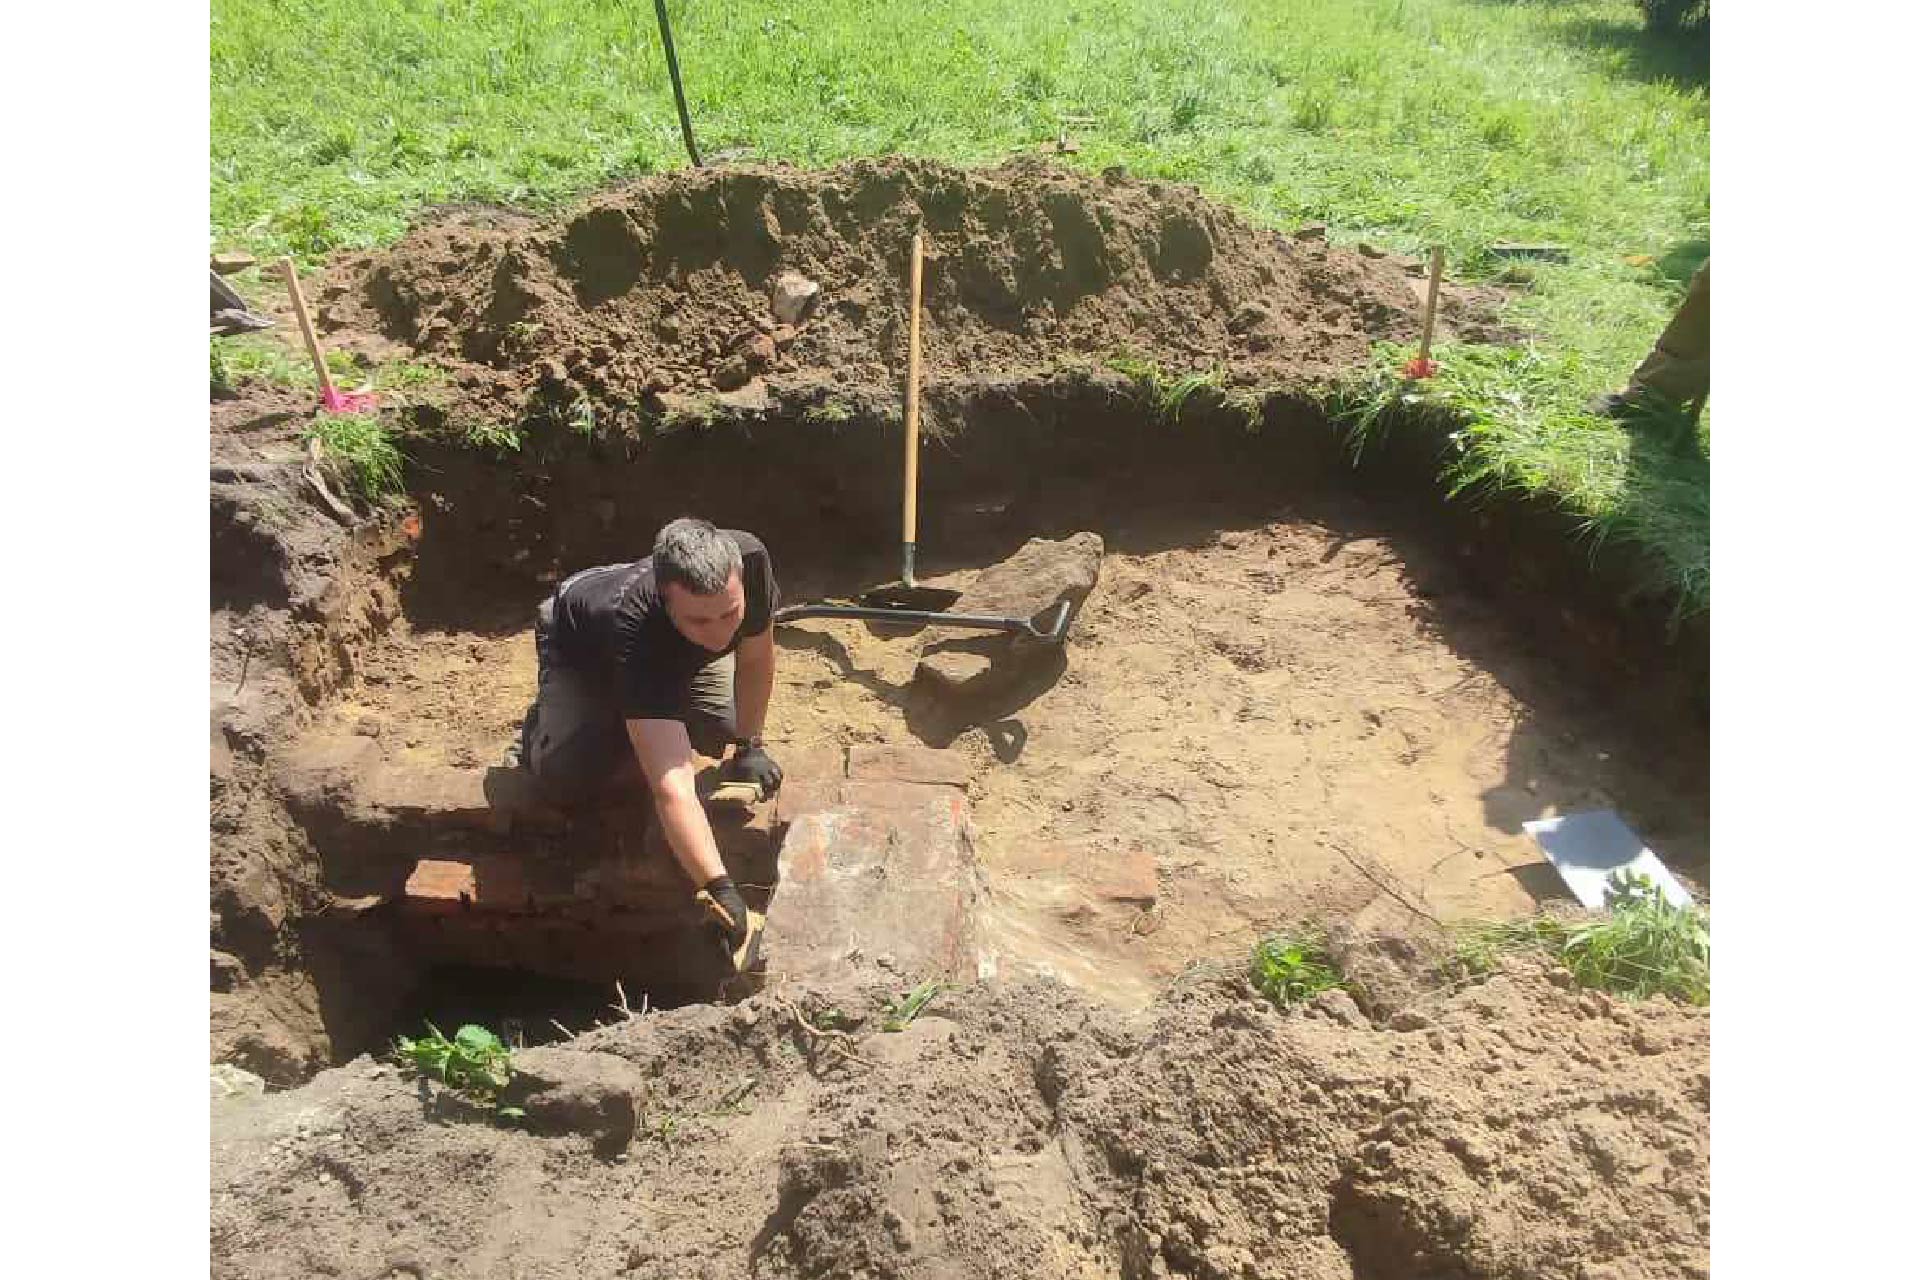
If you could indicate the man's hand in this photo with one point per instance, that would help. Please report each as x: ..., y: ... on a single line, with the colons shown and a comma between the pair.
x: 728, y: 900
x: 751, y: 763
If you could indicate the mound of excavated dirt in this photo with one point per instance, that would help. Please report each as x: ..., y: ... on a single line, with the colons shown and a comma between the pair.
x: 1516, y: 1128
x: 656, y: 299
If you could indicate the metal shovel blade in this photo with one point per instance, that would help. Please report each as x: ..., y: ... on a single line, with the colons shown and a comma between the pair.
x: 1049, y: 626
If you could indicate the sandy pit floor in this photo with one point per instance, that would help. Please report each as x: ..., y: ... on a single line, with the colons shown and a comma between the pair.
x: 1289, y: 717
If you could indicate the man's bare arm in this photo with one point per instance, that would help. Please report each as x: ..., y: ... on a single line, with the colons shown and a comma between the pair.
x: 752, y: 683
x: 666, y: 757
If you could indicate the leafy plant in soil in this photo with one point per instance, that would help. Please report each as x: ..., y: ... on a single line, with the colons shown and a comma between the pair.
x: 1292, y: 968
x: 474, y: 1064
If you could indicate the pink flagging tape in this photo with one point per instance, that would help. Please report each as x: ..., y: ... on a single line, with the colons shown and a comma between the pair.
x: 347, y: 401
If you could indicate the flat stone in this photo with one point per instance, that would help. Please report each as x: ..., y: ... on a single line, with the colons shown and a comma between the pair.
x: 1042, y: 573
x: 227, y: 263
x: 889, y: 874
x: 882, y: 763
x: 1312, y: 231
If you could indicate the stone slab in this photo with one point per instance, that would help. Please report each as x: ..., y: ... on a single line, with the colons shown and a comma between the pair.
x: 1040, y: 574
x: 887, y: 876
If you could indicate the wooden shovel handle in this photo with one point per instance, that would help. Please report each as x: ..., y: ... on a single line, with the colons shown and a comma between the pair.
x: 910, y: 511
x: 1433, y: 301
x: 292, y: 278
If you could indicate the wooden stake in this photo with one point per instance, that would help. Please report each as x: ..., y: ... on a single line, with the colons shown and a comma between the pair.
x: 292, y: 277
x: 910, y: 506
x: 1433, y: 303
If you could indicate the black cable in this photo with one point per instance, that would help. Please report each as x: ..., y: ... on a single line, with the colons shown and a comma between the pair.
x: 673, y: 73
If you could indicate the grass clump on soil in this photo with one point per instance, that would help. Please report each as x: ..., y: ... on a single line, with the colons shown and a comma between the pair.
x: 1407, y: 123
x: 1645, y: 945
x: 1291, y: 967
x: 904, y: 1008
x: 474, y: 1064
x: 1517, y: 423
x: 365, y: 448
x: 1164, y: 394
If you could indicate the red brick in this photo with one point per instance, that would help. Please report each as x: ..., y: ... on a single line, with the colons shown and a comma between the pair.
x: 439, y: 885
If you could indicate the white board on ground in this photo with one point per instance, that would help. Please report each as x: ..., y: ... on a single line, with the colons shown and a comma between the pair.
x: 1588, y: 848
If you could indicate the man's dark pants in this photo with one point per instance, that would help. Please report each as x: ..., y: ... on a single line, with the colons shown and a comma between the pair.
x: 575, y: 741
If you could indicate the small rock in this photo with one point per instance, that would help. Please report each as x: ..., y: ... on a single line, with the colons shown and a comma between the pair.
x: 732, y: 374
x: 1370, y: 250
x: 745, y: 1015
x: 1409, y: 1020
x: 1340, y: 1007
x: 577, y: 1091
x: 1249, y: 317
x: 1312, y: 231
x: 367, y: 727
x: 759, y: 352
x: 667, y: 329
x: 794, y: 297
x: 229, y: 1081
x: 226, y: 264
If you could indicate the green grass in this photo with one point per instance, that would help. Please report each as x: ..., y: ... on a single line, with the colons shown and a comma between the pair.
x: 1643, y: 946
x: 1292, y: 966
x: 1403, y: 122
x: 901, y: 1010
x: 365, y: 447
x: 1161, y: 393
x: 1514, y: 427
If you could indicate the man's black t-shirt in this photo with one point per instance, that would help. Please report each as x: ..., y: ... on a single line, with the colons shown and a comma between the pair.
x: 612, y: 623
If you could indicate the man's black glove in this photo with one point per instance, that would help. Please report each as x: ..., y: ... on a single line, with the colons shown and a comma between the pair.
x: 751, y: 763
x: 724, y: 898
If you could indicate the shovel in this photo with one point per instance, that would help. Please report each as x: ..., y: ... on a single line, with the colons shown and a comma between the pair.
x: 906, y: 594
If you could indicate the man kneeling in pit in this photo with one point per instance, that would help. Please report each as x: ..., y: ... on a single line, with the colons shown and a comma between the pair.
x: 641, y: 665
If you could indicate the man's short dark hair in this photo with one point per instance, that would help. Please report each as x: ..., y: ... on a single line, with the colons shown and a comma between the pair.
x: 696, y: 555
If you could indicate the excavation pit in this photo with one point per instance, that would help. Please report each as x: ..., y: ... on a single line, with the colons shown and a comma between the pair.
x: 1301, y: 687
x: 1298, y: 689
